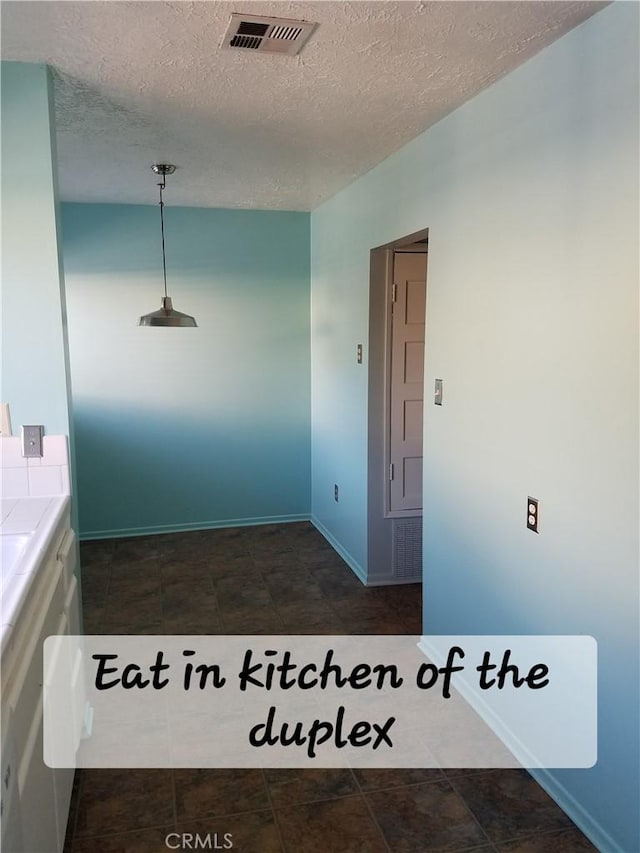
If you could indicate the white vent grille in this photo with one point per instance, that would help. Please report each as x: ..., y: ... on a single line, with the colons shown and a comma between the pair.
x: 407, y: 549
x: 268, y: 35
x: 285, y: 32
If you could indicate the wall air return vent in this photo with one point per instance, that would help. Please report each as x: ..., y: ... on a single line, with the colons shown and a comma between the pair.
x: 407, y: 548
x: 268, y: 35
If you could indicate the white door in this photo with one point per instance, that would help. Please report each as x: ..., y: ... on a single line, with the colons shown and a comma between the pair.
x: 407, y: 381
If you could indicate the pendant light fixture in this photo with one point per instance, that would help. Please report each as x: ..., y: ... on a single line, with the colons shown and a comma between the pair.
x: 167, y: 315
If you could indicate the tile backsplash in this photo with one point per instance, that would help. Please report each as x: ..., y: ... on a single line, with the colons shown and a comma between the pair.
x: 39, y: 477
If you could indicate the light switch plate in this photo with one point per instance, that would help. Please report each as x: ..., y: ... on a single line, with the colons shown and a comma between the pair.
x: 359, y: 354
x: 437, y: 393
x: 32, y: 440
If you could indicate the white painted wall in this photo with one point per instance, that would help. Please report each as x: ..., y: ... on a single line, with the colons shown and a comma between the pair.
x: 35, y: 379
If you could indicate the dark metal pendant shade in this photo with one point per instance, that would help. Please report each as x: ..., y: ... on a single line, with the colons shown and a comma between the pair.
x: 167, y: 315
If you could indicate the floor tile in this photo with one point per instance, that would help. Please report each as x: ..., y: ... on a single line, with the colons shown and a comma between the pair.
x: 286, y: 588
x: 133, y: 625
x: 332, y: 826
x: 274, y: 579
x: 377, y: 779
x: 187, y: 547
x: 129, y: 569
x: 201, y: 622
x: 320, y: 555
x: 226, y: 542
x: 266, y: 564
x: 132, y: 587
x: 336, y: 582
x: 375, y: 624
x: 413, y: 625
x: 310, y: 617
x: 201, y: 793
x: 93, y: 618
x: 301, y: 532
x: 569, y: 841
x: 139, y: 548
x: 95, y: 581
x: 425, y: 818
x: 232, y: 594
x: 240, y: 570
x: 274, y: 547
x: 97, y: 551
x: 252, y: 620
x: 290, y: 787
x: 314, y: 559
x: 359, y: 605
x: 178, y: 600
x: 510, y: 803
x: 132, y: 615
x: 401, y: 594
x: 176, y: 573
x: 146, y: 841
x: 121, y: 800
x: 252, y: 832
x: 452, y: 772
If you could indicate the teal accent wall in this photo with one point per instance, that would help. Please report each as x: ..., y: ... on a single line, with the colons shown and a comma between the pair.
x: 530, y: 194
x: 189, y: 428
x: 34, y: 347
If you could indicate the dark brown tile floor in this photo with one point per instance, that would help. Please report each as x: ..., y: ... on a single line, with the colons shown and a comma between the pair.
x: 283, y: 579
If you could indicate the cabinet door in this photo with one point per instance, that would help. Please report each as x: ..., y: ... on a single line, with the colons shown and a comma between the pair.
x: 37, y: 795
x: 10, y: 817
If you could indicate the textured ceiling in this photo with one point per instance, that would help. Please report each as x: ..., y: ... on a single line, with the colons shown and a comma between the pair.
x: 144, y: 82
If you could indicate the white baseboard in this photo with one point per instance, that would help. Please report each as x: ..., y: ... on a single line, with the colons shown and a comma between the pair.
x: 198, y: 525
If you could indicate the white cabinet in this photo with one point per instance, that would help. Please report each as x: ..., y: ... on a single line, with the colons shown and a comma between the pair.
x: 35, y: 802
x: 10, y: 817
x: 37, y: 795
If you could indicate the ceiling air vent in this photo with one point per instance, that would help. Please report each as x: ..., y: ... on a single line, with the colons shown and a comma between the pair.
x: 269, y: 35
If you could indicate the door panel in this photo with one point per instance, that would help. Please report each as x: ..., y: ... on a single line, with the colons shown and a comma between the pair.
x: 412, y: 477
x: 416, y: 293
x: 414, y: 360
x: 413, y: 421
x: 407, y: 381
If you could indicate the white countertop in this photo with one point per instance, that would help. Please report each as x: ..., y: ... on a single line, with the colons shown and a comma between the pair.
x: 26, y: 527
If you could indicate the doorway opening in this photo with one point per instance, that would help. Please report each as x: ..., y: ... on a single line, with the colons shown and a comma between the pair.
x: 397, y: 313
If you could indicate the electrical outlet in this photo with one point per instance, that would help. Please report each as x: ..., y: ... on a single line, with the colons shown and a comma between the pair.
x: 32, y: 440
x: 336, y: 493
x: 533, y: 514
x: 359, y: 354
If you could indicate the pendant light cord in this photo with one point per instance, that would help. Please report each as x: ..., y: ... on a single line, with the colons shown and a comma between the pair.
x: 164, y: 260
